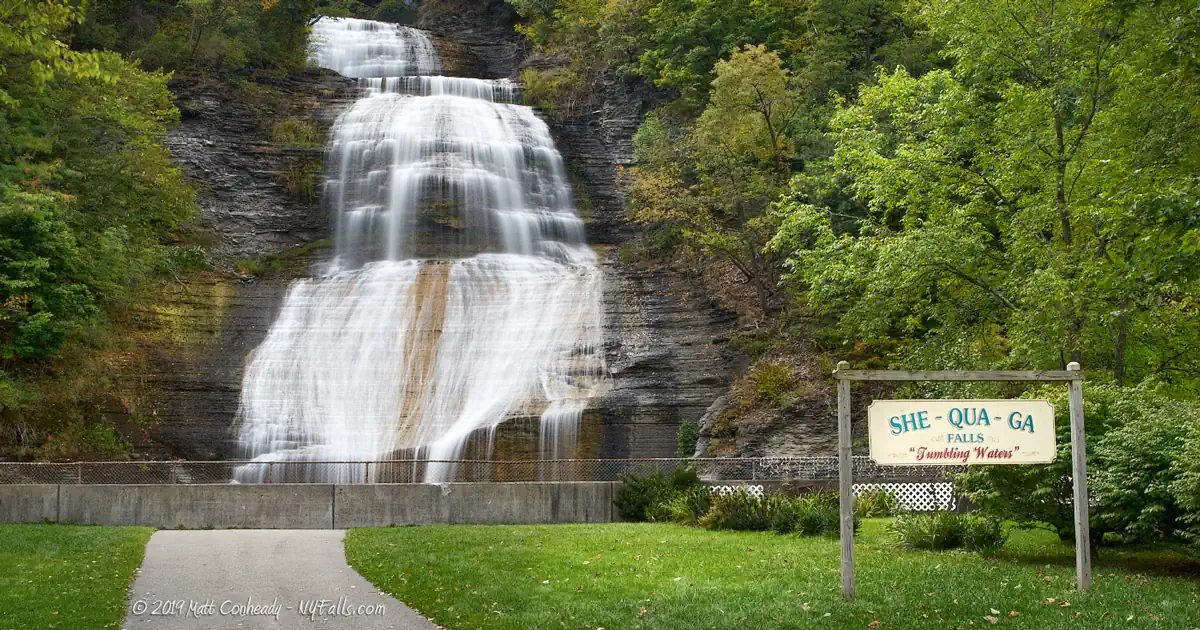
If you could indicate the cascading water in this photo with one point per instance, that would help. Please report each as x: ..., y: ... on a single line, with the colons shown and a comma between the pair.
x: 462, y: 293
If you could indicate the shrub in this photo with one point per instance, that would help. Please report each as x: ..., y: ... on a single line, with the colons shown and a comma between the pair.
x: 1186, y: 489
x: 642, y: 497
x: 875, y: 504
x: 773, y: 381
x: 742, y: 511
x: 1138, y: 440
x: 983, y: 535
x: 786, y: 517
x: 397, y: 11
x: 689, y: 506
x: 806, y: 515
x: 934, y: 531
x: 559, y: 91
x: 686, y: 437
x: 1138, y: 466
x: 297, y: 132
x: 819, y: 514
x: 301, y: 181
x: 939, y: 531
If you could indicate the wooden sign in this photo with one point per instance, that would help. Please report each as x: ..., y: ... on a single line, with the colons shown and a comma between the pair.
x: 1034, y: 418
x: 961, y: 432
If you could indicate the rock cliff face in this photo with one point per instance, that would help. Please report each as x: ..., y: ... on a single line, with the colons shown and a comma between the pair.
x: 665, y: 342
x: 482, y: 27
x: 193, y: 342
x: 248, y: 198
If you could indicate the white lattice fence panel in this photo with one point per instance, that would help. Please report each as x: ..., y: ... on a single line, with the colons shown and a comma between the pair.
x: 723, y: 490
x: 915, y: 497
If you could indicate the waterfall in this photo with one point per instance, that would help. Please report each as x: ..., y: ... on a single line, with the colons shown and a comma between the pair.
x: 461, y: 293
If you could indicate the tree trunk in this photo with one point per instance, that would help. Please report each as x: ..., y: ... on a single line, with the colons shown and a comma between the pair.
x: 1122, y: 343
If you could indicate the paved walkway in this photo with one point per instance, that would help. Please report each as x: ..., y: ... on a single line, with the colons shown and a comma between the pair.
x: 252, y: 579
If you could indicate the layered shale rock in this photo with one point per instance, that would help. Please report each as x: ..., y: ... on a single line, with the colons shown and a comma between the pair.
x: 194, y: 339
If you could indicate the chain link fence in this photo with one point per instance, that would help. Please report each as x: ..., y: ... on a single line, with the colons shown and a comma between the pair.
x: 419, y: 471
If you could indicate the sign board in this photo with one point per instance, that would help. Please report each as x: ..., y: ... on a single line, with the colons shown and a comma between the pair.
x: 957, y: 432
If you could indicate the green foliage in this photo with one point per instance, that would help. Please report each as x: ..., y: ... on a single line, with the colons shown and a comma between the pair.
x: 1138, y: 439
x: 91, y: 211
x: 1186, y: 490
x: 687, y: 507
x: 983, y: 535
x: 641, y: 497
x: 222, y: 35
x: 712, y: 180
x: 345, y: 8
x: 300, y: 181
x: 1140, y: 466
x: 1031, y: 206
x: 743, y: 511
x: 875, y: 504
x: 686, y: 437
x: 809, y: 514
x: 560, y: 92
x: 933, y: 531
x: 293, y: 131
x: 80, y: 441
x: 773, y: 381
x: 397, y: 11
x: 940, y: 531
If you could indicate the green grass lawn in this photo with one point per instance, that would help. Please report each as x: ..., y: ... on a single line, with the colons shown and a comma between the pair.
x: 67, y: 576
x: 666, y: 576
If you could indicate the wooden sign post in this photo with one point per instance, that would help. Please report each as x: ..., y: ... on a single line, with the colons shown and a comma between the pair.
x: 1074, y: 379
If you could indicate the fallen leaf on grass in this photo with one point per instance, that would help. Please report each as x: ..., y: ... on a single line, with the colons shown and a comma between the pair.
x: 990, y: 619
x: 875, y: 624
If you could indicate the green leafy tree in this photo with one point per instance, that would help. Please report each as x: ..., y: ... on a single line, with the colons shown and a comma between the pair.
x: 1030, y: 207
x: 713, y: 182
x: 214, y: 35
x: 90, y: 202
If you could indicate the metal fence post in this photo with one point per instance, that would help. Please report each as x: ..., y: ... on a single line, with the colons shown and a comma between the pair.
x: 78, y: 474
x: 366, y: 472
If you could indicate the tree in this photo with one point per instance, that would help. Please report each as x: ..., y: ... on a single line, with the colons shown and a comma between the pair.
x: 1033, y: 206
x: 713, y: 182
x: 90, y: 202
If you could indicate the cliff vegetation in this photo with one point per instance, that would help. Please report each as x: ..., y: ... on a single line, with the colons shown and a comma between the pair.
x: 97, y: 223
x: 959, y: 184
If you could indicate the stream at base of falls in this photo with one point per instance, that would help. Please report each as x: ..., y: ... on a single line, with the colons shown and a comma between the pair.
x: 461, y: 294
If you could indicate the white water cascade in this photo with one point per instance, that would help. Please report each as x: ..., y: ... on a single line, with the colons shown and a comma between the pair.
x: 462, y: 293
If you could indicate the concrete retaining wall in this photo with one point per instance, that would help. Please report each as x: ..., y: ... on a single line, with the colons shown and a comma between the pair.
x: 309, y: 506
x: 28, y: 503
x: 276, y: 506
